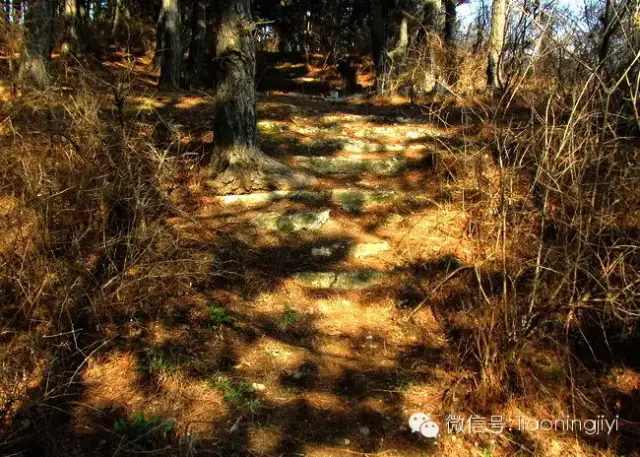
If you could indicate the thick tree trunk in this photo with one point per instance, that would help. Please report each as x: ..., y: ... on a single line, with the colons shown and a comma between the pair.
x: 168, y: 48
x: 238, y: 164
x: 378, y: 44
x: 38, y: 42
x: 198, y: 44
x: 496, y: 42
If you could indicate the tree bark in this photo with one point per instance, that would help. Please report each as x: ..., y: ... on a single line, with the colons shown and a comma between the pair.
x: 377, y: 44
x: 496, y: 42
x: 168, y: 47
x: 38, y: 42
x: 449, y: 36
x: 400, y: 50
x: 198, y: 44
x: 237, y: 162
x: 450, y: 16
x: 115, y: 17
x: 609, y: 26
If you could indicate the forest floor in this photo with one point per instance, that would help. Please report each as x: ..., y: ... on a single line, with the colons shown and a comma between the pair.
x: 331, y: 314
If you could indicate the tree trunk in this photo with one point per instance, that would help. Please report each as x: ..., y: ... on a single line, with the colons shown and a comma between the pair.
x: 481, y: 24
x: 38, y: 42
x: 450, y: 17
x: 608, y: 27
x: 70, y: 12
x: 115, y: 17
x: 400, y: 50
x: 198, y: 44
x: 496, y: 42
x: 168, y: 48
x: 237, y: 163
x: 377, y: 44
x: 449, y: 35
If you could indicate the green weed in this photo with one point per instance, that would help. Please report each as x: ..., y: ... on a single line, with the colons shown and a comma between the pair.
x: 239, y: 393
x: 142, y: 430
x: 290, y: 317
x: 219, y: 315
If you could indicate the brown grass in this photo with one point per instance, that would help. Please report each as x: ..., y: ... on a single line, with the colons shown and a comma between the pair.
x: 114, y: 252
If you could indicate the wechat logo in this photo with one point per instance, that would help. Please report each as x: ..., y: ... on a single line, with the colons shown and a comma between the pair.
x: 421, y: 422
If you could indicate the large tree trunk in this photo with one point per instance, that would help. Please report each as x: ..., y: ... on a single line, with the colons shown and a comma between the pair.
x: 38, y: 42
x: 168, y: 49
x: 378, y: 44
x: 496, y: 42
x: 238, y: 164
x: 198, y: 44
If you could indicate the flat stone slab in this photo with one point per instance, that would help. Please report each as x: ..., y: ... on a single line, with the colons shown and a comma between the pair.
x: 293, y: 221
x: 355, y: 201
x: 352, y: 165
x: 358, y: 250
x: 345, y: 280
x: 274, y: 196
x: 362, y: 250
x: 351, y: 200
x: 359, y: 146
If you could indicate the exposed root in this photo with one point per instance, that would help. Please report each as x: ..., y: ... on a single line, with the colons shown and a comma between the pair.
x: 247, y: 170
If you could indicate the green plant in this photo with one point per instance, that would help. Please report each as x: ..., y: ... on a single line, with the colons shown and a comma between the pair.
x: 142, y: 430
x: 395, y: 381
x: 290, y: 317
x: 239, y: 393
x: 155, y: 362
x: 219, y: 315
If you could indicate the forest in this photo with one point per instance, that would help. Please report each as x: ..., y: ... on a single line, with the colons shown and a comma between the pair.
x: 320, y: 228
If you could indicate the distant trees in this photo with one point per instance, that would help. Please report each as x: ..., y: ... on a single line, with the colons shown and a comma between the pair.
x: 413, y: 44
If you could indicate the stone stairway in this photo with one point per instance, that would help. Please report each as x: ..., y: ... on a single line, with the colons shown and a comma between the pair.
x: 340, y: 206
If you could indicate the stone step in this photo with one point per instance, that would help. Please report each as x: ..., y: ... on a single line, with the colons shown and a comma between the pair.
x: 293, y: 221
x: 344, y: 280
x: 352, y: 165
x: 351, y: 200
x: 358, y: 250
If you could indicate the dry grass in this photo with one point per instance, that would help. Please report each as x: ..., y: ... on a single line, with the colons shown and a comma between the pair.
x: 131, y: 289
